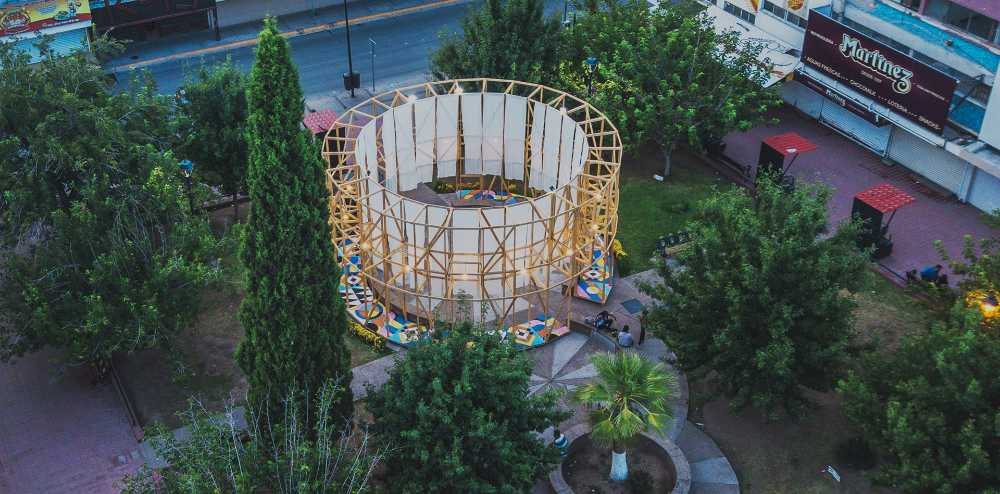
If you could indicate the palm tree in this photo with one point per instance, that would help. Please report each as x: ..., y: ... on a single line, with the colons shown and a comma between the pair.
x: 629, y: 396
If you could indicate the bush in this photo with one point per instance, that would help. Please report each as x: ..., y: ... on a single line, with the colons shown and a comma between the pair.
x: 368, y: 336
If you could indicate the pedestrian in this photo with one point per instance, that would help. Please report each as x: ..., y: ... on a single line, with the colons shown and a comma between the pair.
x: 625, y: 338
x: 560, y: 442
x: 930, y: 274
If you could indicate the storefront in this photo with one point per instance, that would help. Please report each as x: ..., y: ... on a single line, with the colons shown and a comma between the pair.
x: 66, y: 21
x: 895, y: 105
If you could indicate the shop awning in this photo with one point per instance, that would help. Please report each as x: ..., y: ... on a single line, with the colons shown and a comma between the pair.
x: 779, y: 53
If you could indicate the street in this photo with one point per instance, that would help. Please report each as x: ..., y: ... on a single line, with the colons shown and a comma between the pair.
x: 404, y: 44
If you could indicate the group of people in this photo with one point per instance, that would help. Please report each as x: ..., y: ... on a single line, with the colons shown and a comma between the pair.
x: 604, y: 322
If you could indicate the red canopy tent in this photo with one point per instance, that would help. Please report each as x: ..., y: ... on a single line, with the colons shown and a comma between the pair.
x: 319, y: 122
x: 871, y: 205
x: 775, y: 149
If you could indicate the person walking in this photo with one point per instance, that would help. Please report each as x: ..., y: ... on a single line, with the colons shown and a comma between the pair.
x: 560, y: 442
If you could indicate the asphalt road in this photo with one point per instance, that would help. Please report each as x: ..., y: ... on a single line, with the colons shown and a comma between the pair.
x: 403, y: 48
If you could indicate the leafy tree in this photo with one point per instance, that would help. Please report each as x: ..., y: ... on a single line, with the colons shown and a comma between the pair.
x: 631, y: 395
x: 100, y: 254
x: 666, y: 76
x: 213, y: 107
x: 507, y: 39
x: 760, y: 298
x: 219, y: 455
x: 459, y: 418
x: 933, y: 408
x: 292, y: 313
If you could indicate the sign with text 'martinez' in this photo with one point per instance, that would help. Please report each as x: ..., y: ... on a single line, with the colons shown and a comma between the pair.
x: 907, y: 86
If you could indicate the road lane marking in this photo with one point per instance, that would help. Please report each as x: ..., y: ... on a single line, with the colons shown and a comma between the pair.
x: 287, y: 35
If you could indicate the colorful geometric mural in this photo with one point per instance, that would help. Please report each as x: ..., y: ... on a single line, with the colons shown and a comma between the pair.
x: 501, y: 198
x: 595, y: 284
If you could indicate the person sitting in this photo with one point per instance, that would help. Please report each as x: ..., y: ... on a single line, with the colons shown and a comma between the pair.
x: 604, y: 320
x: 931, y: 274
x: 625, y: 338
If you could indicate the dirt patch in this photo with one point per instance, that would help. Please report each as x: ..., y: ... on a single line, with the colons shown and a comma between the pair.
x: 587, y: 467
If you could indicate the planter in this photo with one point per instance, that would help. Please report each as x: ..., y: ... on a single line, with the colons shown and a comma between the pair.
x: 681, y: 467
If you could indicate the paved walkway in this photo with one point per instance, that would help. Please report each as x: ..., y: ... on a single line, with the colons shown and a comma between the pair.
x: 849, y: 169
x: 61, y: 436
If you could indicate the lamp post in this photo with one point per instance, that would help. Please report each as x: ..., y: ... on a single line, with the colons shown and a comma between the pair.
x: 592, y: 62
x: 352, y: 81
x: 187, y: 168
x: 371, y: 43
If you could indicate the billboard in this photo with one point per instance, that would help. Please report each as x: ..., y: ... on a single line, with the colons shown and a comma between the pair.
x: 17, y: 18
x: 907, y: 86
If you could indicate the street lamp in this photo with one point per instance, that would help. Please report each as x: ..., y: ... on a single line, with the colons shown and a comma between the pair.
x: 187, y: 168
x: 592, y: 62
x: 352, y: 80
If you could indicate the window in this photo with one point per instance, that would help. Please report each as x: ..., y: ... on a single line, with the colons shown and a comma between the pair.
x: 910, y: 4
x: 786, y: 15
x: 738, y: 12
x: 964, y: 19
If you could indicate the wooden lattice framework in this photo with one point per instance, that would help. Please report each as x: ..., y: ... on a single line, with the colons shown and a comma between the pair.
x: 409, y: 252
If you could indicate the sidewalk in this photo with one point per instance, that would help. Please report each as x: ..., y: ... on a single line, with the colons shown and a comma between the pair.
x: 61, y: 436
x: 187, y: 45
x: 849, y: 169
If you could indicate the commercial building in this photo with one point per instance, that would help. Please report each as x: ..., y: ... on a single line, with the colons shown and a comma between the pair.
x: 26, y: 22
x: 915, y: 81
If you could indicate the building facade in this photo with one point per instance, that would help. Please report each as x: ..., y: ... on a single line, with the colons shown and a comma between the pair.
x: 64, y: 23
x: 915, y: 81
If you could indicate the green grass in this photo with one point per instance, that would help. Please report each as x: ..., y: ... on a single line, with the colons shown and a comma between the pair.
x: 649, y: 209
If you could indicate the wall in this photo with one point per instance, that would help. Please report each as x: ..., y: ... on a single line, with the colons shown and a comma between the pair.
x: 990, y: 133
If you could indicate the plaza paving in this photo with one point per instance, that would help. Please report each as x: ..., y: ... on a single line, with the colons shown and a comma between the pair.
x: 849, y: 169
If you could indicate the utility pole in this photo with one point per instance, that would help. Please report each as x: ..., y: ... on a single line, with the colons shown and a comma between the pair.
x: 371, y: 43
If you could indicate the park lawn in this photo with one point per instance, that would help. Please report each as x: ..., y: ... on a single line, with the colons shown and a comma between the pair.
x: 787, y: 455
x: 160, y: 383
x: 649, y: 209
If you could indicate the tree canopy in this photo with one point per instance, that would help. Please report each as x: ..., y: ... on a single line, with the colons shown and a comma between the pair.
x: 100, y: 253
x: 213, y: 114
x: 460, y: 419
x: 292, y: 313
x: 760, y: 296
x: 665, y: 76
x: 506, y: 39
x: 933, y: 408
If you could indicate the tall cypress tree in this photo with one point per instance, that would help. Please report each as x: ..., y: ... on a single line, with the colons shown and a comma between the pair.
x: 292, y: 313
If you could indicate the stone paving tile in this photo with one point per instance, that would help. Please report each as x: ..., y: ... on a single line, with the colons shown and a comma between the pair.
x: 697, y: 445
x: 713, y: 471
x: 849, y: 169
x: 61, y: 436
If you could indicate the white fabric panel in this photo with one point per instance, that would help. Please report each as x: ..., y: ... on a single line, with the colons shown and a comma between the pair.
x: 415, y: 212
x: 494, y: 217
x: 580, y: 150
x: 566, y: 151
x: 537, y: 140
x: 389, y: 151
x: 493, y: 120
x: 405, y: 148
x: 436, y: 217
x: 370, y: 149
x: 472, y: 132
x: 550, y: 153
x: 446, y: 125
x: 424, y: 117
x: 466, y: 237
x: 359, y: 152
x: 514, y: 135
